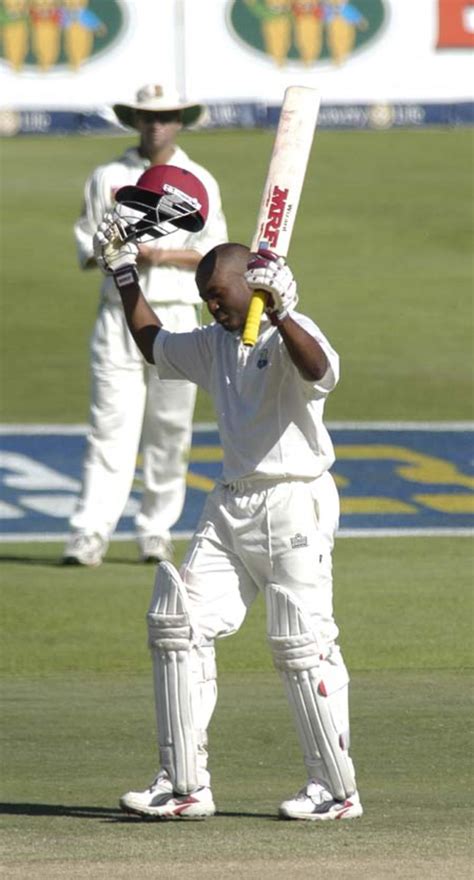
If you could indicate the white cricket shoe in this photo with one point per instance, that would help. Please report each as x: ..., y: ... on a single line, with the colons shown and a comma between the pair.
x: 155, y: 549
x: 84, y: 548
x: 160, y: 802
x: 316, y: 803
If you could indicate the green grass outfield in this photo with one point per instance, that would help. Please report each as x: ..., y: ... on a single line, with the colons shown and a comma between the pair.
x: 381, y: 250
x: 382, y: 253
x: 78, y: 725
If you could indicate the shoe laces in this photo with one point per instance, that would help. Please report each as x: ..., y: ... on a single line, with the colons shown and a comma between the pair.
x: 315, y: 790
x: 160, y: 777
x: 154, y: 544
x: 83, y: 541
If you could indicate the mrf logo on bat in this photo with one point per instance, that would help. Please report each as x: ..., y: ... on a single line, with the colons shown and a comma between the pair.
x: 277, y: 212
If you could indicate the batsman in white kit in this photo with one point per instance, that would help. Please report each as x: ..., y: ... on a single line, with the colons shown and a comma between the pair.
x: 267, y: 527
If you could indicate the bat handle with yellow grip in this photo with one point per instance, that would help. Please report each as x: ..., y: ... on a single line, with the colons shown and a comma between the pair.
x: 252, y: 324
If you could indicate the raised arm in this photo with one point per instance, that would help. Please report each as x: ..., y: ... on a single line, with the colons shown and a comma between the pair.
x: 118, y: 258
x: 142, y: 321
x: 304, y: 350
x: 268, y: 272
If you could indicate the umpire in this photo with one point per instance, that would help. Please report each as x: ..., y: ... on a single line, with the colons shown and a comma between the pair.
x: 130, y: 407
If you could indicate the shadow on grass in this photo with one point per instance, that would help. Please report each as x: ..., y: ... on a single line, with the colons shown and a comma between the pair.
x: 57, y: 562
x: 19, y: 809
x: 54, y: 561
x: 108, y: 813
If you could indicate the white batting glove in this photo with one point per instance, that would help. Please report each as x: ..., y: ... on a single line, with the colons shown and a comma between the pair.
x: 113, y: 253
x: 266, y: 271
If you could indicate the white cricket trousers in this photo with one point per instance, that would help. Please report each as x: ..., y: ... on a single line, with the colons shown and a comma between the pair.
x: 251, y: 534
x: 130, y: 409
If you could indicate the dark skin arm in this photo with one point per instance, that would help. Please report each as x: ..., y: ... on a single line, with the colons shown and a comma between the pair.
x: 142, y: 321
x: 305, y: 352
x: 144, y: 324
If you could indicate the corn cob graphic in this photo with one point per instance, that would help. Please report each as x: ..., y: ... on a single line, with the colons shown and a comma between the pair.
x: 275, y: 18
x: 45, y: 32
x: 308, y: 28
x: 14, y: 30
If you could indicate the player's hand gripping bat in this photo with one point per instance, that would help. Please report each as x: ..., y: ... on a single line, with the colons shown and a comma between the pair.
x: 282, y: 190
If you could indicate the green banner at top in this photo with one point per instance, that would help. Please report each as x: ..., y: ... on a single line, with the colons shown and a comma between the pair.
x: 307, y: 31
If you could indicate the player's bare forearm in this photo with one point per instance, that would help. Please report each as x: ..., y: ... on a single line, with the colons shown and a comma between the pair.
x: 186, y: 258
x: 304, y: 350
x: 142, y: 321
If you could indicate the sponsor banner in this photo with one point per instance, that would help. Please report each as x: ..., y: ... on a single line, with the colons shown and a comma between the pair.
x: 60, y: 122
x: 392, y: 479
x: 87, y: 54
x: 340, y: 116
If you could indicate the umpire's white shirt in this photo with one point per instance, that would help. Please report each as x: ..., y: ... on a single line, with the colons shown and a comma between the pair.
x: 270, y: 418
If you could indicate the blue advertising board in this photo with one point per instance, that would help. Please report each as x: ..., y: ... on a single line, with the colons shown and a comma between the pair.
x: 392, y: 479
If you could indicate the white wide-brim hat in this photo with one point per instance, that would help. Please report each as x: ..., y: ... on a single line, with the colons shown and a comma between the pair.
x: 157, y: 100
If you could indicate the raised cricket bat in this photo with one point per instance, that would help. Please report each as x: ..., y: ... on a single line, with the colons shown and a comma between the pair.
x: 282, y: 190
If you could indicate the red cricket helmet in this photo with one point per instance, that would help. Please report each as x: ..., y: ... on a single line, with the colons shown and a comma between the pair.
x: 167, y: 194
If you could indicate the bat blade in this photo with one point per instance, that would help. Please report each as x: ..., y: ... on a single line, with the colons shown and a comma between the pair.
x: 283, y: 186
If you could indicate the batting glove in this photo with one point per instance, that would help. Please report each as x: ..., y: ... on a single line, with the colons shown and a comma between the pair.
x: 115, y: 254
x: 269, y: 272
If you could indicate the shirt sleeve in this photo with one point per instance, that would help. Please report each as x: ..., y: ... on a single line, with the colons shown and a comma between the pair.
x: 97, y: 199
x: 184, y: 356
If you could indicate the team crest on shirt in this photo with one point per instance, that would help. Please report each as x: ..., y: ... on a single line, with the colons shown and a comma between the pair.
x: 298, y: 540
x: 262, y: 359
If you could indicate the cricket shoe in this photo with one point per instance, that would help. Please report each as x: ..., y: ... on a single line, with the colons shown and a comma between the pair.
x: 316, y: 803
x: 84, y: 548
x: 160, y: 802
x: 155, y: 549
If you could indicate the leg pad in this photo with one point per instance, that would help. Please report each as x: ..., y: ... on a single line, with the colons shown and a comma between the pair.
x: 170, y: 642
x: 316, y: 688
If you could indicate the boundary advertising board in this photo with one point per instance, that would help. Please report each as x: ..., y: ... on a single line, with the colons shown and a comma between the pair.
x: 393, y: 479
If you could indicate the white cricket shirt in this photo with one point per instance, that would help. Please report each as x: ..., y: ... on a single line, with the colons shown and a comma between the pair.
x: 270, y: 419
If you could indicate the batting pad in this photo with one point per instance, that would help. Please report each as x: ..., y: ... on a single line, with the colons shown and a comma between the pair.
x: 316, y: 690
x: 169, y: 639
